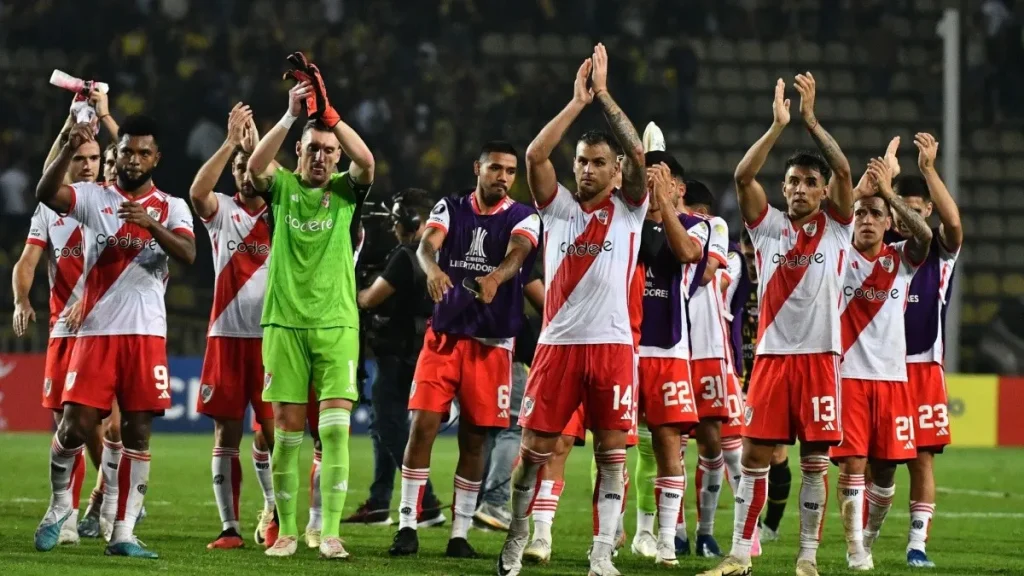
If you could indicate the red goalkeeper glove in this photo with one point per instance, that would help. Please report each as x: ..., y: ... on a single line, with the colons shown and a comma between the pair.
x: 318, y: 107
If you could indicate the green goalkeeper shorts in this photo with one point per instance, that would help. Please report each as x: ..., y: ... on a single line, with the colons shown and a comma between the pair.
x: 296, y: 358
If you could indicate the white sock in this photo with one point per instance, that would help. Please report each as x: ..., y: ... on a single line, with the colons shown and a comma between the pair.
x: 751, y: 496
x: 681, y: 523
x: 545, y: 504
x: 316, y: 509
x: 732, y: 451
x: 414, y: 482
x: 227, y: 485
x: 920, y: 523
x: 62, y: 464
x: 709, y: 486
x: 645, y: 520
x: 813, y: 497
x: 850, y: 490
x: 261, y: 462
x: 110, y: 459
x: 669, y: 492
x: 879, y: 502
x: 524, y: 488
x: 133, y: 472
x: 463, y: 506
x: 608, y: 492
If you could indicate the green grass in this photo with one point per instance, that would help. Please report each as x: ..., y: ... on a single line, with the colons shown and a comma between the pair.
x: 973, y: 533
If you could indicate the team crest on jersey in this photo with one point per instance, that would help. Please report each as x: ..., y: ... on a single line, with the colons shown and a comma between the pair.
x: 206, y: 392
x: 602, y: 216
x: 47, y: 385
x: 154, y: 213
x: 527, y: 406
x: 325, y: 201
x: 268, y: 377
x: 748, y: 415
x: 811, y: 228
x: 439, y: 209
x: 886, y: 262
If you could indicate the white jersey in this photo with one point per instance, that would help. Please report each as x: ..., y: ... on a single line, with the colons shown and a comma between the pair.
x: 61, y: 238
x: 874, y: 297
x: 589, y: 262
x: 733, y: 273
x: 708, y: 335
x: 241, y: 257
x: 127, y: 268
x: 801, y: 271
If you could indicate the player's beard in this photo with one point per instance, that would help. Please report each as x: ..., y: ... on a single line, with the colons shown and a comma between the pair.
x: 125, y: 182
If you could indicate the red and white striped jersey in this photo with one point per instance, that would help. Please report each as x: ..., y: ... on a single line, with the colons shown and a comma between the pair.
x: 127, y: 272
x: 733, y: 272
x: 801, y: 271
x: 61, y: 237
x: 589, y: 261
x: 874, y: 298
x: 708, y: 336
x: 241, y: 257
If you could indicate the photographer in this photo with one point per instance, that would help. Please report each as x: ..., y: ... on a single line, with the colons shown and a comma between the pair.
x: 400, y: 308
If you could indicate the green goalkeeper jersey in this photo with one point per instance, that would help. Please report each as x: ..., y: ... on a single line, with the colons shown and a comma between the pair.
x: 311, y: 283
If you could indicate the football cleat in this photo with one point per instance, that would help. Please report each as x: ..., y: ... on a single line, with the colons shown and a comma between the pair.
x: 228, y: 540
x: 405, y: 543
x: 263, y: 520
x: 601, y: 561
x: 492, y: 517
x: 89, y: 526
x: 645, y: 546
x: 538, y: 552
x: 730, y: 566
x: 666, y: 555
x: 312, y: 537
x: 48, y: 533
x: 283, y: 546
x: 68, y: 533
x: 918, y: 559
x: 682, y: 546
x: 331, y: 548
x: 806, y: 568
x: 430, y: 517
x: 370, y: 516
x: 860, y: 563
x: 755, y: 544
x: 767, y: 534
x: 707, y: 547
x: 459, y: 548
x: 130, y: 548
x: 510, y: 560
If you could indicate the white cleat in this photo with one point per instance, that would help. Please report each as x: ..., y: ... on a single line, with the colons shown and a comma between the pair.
x: 806, y: 568
x: 860, y: 563
x: 767, y: 534
x: 510, y: 560
x: 645, y: 546
x: 331, y: 548
x: 538, y: 552
x: 68, y: 535
x: 285, y: 546
x: 263, y: 520
x: 602, y: 566
x: 666, y: 554
x: 312, y: 537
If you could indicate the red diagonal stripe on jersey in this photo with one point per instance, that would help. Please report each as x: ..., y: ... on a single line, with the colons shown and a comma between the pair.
x: 239, y: 269
x: 110, y: 264
x: 786, y: 278
x: 860, y: 311
x: 68, y: 271
x: 572, y: 268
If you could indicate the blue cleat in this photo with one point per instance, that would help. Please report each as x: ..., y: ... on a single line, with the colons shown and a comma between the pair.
x: 131, y: 549
x: 48, y: 535
x: 707, y: 546
x: 918, y: 559
x: 682, y: 546
x: 89, y: 527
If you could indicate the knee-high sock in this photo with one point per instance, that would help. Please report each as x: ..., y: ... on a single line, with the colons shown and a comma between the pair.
x: 316, y: 506
x: 879, y: 501
x: 227, y: 485
x: 261, y: 462
x: 646, y: 472
x: 334, y: 431
x: 750, y: 499
x: 732, y: 451
x: 62, y: 466
x: 545, y: 504
x: 608, y: 493
x: 709, y: 487
x: 109, y: 461
x: 284, y: 465
x: 463, y: 505
x: 669, y: 492
x: 414, y: 483
x: 850, y: 492
x: 77, y: 479
x: 920, y: 522
x: 525, y: 479
x: 780, y: 478
x: 681, y: 524
x: 813, y: 500
x: 133, y: 472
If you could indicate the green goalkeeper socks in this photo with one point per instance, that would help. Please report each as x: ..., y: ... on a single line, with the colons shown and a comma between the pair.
x: 646, y: 472
x: 334, y: 431
x: 284, y: 464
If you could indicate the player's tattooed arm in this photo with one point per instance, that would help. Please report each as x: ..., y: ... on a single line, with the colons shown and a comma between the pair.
x: 752, y: 199
x: 920, y: 233
x: 951, y: 232
x: 633, y: 170
x: 201, y: 192
x: 841, y: 185
x: 519, y: 247
x: 51, y: 189
x: 438, y: 283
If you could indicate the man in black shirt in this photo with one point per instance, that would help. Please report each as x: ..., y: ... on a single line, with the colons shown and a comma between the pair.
x: 398, y: 298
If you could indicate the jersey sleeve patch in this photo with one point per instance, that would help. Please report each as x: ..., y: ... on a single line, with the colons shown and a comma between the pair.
x: 529, y: 227
x: 39, y: 229
x: 179, y: 217
x: 440, y: 216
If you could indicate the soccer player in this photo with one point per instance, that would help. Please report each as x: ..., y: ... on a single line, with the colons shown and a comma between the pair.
x: 62, y: 238
x: 875, y: 403
x: 585, y: 352
x: 794, y: 386
x: 232, y: 376
x: 120, y: 350
x: 310, y: 319
x: 711, y: 372
x: 487, y: 238
x: 673, y: 256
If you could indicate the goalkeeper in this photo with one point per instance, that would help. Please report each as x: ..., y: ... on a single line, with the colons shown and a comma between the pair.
x: 310, y: 319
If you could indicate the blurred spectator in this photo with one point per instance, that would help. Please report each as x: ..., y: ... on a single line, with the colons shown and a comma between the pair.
x: 14, y: 190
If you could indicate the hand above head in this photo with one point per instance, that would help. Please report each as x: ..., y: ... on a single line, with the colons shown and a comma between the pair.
x: 881, y: 173
x: 927, y: 150
x: 80, y: 134
x: 580, y: 92
x: 599, y: 74
x: 297, y: 96
x: 238, y: 121
x: 890, y: 156
x: 780, y: 105
x: 805, y: 85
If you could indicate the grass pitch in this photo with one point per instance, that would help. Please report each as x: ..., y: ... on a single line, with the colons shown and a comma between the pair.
x: 978, y: 528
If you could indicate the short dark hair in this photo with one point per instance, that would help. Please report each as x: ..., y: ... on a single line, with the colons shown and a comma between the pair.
x: 112, y: 147
x: 497, y: 147
x: 139, y: 125
x: 910, y: 186
x: 416, y: 200
x: 593, y: 137
x: 660, y: 156
x: 698, y: 194
x: 239, y: 152
x: 317, y: 125
x: 812, y: 160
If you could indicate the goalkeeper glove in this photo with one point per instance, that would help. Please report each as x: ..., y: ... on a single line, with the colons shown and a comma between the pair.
x: 318, y: 107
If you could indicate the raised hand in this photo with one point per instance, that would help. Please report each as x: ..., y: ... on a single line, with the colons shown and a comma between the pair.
x: 806, y: 87
x: 780, y: 105
x: 881, y: 173
x: 238, y: 121
x: 251, y: 138
x: 663, y: 184
x: 100, y: 102
x: 599, y: 75
x: 80, y: 134
x: 927, y: 150
x: 580, y: 92
x: 297, y: 97
x: 890, y: 156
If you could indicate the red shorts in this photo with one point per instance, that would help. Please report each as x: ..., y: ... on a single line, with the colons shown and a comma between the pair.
x: 794, y: 396
x: 711, y: 378
x: 233, y: 379
x: 480, y: 376
x: 733, y: 426
x: 599, y: 377
x: 578, y: 424
x: 130, y: 368
x: 665, y: 393
x: 58, y: 356
x: 878, y: 421
x: 927, y: 384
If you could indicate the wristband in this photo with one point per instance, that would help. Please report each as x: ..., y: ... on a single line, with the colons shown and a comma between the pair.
x: 287, y: 120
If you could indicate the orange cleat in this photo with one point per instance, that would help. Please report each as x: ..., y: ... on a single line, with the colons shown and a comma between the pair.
x: 227, y: 540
